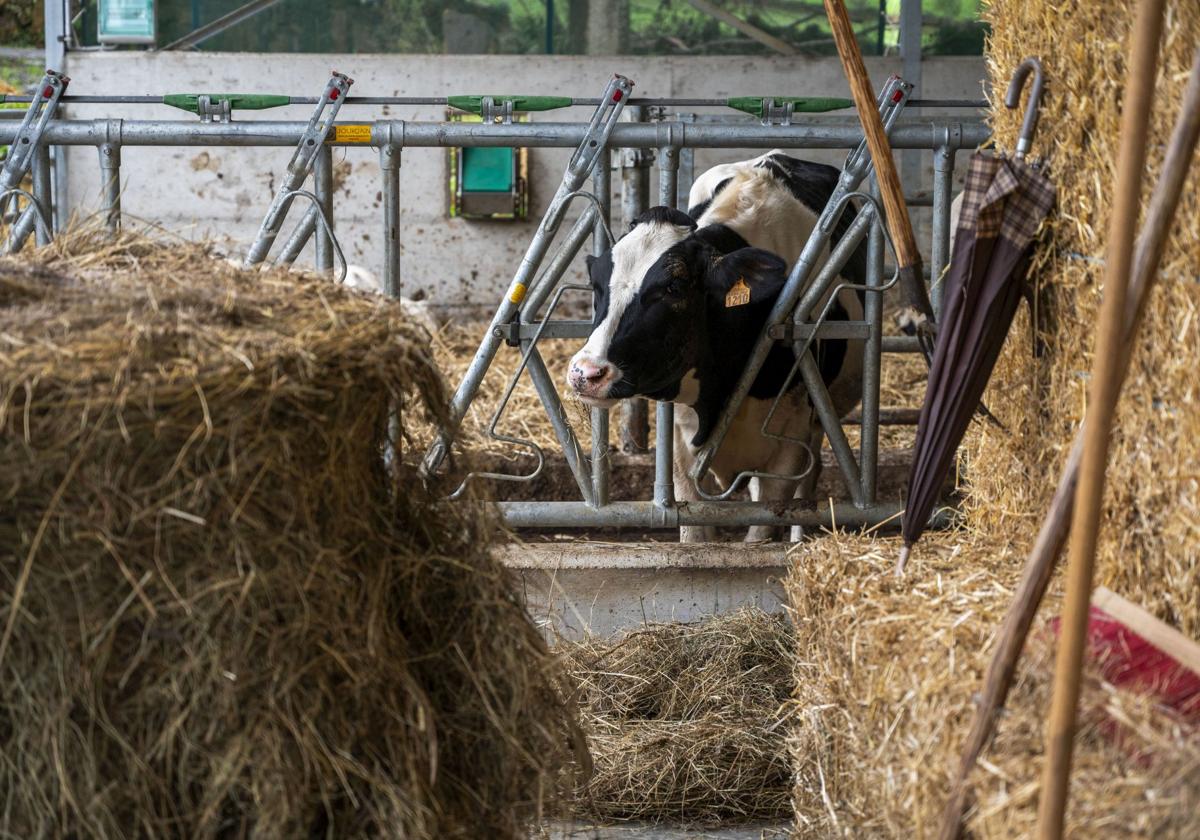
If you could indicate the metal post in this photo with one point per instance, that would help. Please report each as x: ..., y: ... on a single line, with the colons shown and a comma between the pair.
x: 668, y: 176
x: 832, y: 424
x: 868, y: 452
x: 939, y: 252
x: 323, y: 190
x: 42, y: 193
x: 56, y: 31
x: 543, y: 383
x: 564, y: 255
x: 635, y: 198
x: 687, y: 167
x: 910, y: 53
x: 601, y: 465
x: 664, y: 438
x: 602, y: 189
x: 664, y: 452
x: 389, y: 164
x: 635, y: 176
x: 110, y: 185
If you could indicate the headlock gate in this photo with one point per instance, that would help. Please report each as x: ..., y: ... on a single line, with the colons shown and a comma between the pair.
x: 524, y: 315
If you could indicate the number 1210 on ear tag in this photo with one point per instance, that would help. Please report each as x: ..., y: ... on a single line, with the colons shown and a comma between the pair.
x: 739, y: 295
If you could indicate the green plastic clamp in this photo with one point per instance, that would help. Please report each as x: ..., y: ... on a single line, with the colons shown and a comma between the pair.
x: 473, y: 104
x: 800, y: 104
x: 237, y: 101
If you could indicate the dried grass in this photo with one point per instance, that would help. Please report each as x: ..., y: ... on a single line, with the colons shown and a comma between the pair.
x: 886, y: 669
x: 884, y: 675
x: 683, y: 720
x: 1149, y: 547
x: 228, y: 617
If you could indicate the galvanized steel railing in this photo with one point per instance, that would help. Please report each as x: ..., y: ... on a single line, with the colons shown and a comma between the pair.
x: 669, y: 139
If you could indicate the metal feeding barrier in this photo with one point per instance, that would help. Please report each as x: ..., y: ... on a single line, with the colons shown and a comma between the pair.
x: 519, y: 320
x: 28, y: 151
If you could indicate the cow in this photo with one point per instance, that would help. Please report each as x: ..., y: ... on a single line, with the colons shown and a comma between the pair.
x: 679, y: 302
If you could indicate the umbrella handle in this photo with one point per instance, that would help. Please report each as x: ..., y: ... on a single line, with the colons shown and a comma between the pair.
x: 1013, y: 98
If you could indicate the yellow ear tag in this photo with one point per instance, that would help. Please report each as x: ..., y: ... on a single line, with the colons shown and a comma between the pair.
x: 739, y: 295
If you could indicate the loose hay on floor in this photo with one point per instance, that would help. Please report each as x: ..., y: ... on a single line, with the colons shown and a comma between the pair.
x: 683, y: 720
x: 885, y: 672
x: 223, y: 614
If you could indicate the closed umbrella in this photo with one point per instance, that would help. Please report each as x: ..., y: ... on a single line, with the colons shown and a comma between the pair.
x: 1004, y: 202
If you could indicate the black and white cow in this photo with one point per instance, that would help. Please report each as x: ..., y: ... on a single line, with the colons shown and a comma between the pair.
x: 667, y: 326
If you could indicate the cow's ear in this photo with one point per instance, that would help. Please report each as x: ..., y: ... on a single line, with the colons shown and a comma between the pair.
x: 746, y: 276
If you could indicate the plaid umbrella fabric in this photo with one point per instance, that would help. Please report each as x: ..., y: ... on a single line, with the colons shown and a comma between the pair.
x: 1004, y: 203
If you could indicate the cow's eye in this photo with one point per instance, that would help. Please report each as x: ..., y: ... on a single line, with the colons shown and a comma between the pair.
x: 672, y: 289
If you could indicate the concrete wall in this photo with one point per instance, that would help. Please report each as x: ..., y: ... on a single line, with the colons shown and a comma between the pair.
x: 454, y: 263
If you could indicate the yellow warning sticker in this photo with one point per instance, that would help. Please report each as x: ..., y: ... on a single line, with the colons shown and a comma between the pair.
x: 351, y: 134
x: 739, y: 295
x: 518, y: 293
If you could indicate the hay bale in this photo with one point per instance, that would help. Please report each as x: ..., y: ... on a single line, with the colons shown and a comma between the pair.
x: 682, y: 720
x: 223, y: 614
x: 885, y: 672
x: 886, y: 669
x: 1148, y: 550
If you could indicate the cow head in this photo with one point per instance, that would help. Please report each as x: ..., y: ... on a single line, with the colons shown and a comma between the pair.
x: 664, y: 309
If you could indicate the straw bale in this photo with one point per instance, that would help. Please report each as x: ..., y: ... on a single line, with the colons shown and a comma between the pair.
x: 884, y: 676
x: 1148, y: 550
x: 223, y: 613
x: 682, y: 720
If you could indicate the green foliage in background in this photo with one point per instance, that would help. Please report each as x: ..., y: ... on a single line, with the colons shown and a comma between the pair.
x: 655, y: 27
x: 20, y: 23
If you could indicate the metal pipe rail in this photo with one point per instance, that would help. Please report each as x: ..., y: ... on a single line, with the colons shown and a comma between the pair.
x: 813, y: 134
x: 647, y: 102
x: 667, y: 140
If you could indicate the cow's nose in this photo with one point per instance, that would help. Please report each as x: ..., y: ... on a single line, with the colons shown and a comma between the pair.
x: 591, y: 371
x: 587, y: 375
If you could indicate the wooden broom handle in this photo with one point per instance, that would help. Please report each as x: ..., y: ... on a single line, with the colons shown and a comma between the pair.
x: 1103, y: 391
x: 890, y: 190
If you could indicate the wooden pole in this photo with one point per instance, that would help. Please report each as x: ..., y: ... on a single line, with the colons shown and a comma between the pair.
x: 1053, y: 534
x: 1105, y: 388
x: 911, y: 284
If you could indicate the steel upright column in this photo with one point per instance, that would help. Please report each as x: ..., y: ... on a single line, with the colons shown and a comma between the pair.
x: 110, y: 185
x: 868, y: 450
x: 910, y: 53
x: 601, y: 464
x: 939, y: 252
x: 664, y: 416
x: 43, y: 194
x: 389, y: 164
x: 323, y: 190
x: 635, y: 198
x: 56, y: 31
